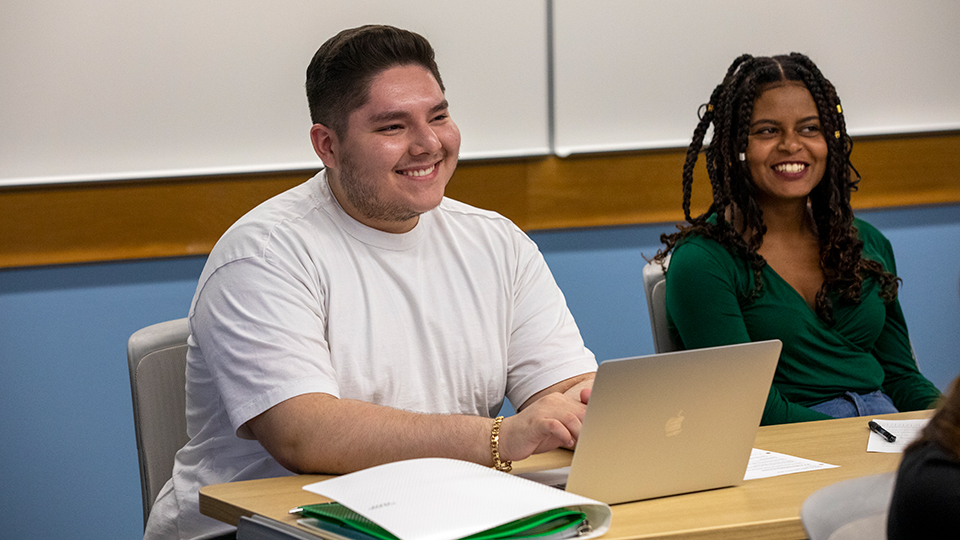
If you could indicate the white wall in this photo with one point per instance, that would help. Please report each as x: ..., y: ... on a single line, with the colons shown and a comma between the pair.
x: 631, y: 74
x: 120, y: 89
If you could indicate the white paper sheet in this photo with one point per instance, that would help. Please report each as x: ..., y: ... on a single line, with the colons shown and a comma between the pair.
x: 906, y: 431
x: 552, y: 477
x: 446, y: 499
x: 764, y: 464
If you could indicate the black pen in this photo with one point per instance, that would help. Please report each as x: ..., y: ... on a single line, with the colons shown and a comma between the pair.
x: 878, y: 429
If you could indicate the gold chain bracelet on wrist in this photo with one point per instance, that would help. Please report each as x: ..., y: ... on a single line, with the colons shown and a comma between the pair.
x: 498, y: 464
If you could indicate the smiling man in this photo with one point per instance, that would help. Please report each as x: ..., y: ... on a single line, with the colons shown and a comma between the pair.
x: 361, y: 317
x: 399, y: 153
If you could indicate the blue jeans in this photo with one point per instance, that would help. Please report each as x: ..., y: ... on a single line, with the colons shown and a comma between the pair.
x: 851, y: 404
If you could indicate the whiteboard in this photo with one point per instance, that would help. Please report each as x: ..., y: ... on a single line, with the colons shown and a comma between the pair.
x: 631, y: 74
x: 96, y: 90
x: 117, y: 89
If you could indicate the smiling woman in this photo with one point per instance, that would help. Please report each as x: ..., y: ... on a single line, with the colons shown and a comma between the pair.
x: 787, y: 155
x: 786, y: 151
x: 779, y: 254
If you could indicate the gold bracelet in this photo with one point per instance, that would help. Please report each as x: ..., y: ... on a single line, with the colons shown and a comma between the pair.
x: 505, y: 466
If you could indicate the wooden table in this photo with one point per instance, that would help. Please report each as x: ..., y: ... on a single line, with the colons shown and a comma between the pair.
x: 763, y: 508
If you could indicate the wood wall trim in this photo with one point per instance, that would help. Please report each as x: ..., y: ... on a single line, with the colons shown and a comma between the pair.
x: 95, y: 222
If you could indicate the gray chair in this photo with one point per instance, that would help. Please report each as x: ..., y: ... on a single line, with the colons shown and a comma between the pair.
x: 853, y: 509
x: 157, y: 358
x: 655, y: 285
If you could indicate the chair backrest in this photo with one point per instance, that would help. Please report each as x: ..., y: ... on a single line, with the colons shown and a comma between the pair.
x: 854, y: 509
x: 157, y: 358
x: 655, y: 285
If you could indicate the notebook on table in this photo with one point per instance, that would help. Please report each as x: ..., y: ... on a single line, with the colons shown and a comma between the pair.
x: 672, y: 423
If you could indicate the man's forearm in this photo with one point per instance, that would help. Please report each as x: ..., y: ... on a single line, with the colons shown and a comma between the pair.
x: 570, y: 387
x: 318, y: 433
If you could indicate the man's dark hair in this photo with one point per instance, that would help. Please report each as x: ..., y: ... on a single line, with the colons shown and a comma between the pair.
x: 339, y: 76
x: 729, y: 112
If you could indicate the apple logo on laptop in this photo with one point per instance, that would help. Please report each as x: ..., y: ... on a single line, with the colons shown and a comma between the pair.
x: 674, y: 424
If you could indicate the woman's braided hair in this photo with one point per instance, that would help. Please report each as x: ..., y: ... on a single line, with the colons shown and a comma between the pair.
x: 729, y: 113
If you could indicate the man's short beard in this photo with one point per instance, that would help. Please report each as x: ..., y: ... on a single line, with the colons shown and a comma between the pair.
x: 365, y: 197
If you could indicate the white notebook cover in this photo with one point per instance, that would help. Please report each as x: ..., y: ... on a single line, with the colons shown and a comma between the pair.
x: 447, y: 499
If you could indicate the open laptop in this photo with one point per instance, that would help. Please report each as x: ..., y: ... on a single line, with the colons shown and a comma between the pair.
x: 672, y: 423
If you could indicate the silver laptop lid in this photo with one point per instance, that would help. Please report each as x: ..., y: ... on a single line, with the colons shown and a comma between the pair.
x: 672, y: 423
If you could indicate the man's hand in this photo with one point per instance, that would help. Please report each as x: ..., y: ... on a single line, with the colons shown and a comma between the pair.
x: 550, y: 419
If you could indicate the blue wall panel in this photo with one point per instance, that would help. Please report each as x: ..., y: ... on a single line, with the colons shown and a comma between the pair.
x: 68, y: 457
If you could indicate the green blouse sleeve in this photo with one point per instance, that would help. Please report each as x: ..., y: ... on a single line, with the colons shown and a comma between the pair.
x: 903, y: 382
x: 704, y: 287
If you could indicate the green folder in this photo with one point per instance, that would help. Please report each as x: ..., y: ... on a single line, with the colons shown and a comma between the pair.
x: 550, y: 525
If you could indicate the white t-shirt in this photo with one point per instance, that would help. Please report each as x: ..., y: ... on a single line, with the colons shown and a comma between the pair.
x: 298, y: 297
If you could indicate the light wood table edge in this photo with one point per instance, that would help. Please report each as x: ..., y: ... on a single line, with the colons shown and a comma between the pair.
x: 287, y: 492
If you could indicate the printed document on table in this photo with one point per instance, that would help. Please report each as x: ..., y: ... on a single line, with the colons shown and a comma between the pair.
x: 764, y: 464
x: 447, y: 499
x: 906, y: 431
